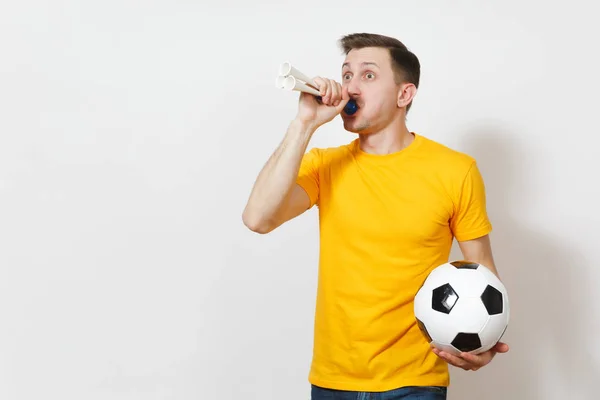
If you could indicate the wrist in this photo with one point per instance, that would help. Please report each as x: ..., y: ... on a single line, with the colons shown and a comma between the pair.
x: 304, y: 128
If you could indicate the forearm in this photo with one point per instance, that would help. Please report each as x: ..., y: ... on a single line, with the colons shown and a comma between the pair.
x: 480, y: 251
x: 277, y: 177
x: 488, y: 261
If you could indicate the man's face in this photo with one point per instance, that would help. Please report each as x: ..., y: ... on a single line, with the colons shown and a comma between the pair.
x: 370, y: 80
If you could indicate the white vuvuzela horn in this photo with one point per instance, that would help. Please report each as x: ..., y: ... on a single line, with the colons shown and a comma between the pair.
x: 280, y: 82
x: 291, y: 79
x: 287, y: 69
x: 291, y: 83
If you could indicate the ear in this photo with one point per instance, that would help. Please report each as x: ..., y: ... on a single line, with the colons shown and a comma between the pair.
x: 406, y: 93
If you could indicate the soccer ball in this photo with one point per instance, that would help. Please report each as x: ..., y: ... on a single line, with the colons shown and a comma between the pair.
x: 462, y: 307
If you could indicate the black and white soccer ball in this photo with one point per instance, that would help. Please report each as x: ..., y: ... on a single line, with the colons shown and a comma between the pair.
x: 462, y: 307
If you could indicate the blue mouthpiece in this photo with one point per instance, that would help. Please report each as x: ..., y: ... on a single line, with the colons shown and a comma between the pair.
x: 351, y: 107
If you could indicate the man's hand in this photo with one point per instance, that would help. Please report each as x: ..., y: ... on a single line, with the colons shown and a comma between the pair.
x: 334, y: 98
x: 472, y: 362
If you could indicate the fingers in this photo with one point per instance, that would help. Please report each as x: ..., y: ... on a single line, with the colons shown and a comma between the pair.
x: 467, y: 363
x: 322, y: 86
x: 501, y: 347
x: 336, y: 93
x: 344, y: 97
x: 345, y: 94
x: 451, y: 359
x: 330, y: 91
x: 476, y: 361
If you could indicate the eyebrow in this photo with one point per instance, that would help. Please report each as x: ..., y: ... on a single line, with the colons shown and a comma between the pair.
x: 347, y: 64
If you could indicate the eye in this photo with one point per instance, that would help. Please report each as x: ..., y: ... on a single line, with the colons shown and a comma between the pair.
x: 370, y: 75
x: 347, y: 76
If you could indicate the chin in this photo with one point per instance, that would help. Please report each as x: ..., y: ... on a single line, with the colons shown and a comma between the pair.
x: 356, y: 127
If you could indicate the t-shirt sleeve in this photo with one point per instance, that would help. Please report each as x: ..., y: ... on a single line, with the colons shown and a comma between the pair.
x: 470, y: 220
x: 308, y: 175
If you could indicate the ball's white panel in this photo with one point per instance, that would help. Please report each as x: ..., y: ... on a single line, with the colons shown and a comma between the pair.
x: 422, y: 302
x: 468, y: 282
x: 469, y: 315
x: 440, y: 326
x: 506, y: 308
x: 493, y: 329
x: 446, y: 347
x: 439, y: 276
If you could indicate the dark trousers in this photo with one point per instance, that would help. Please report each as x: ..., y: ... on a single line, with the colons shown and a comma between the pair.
x: 405, y: 393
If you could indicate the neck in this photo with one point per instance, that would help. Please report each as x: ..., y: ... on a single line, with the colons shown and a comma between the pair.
x: 391, y: 139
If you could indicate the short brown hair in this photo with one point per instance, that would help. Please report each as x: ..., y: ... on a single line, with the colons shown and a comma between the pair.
x: 405, y: 64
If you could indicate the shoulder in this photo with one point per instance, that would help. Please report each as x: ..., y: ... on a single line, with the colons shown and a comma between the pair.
x: 444, y: 152
x: 329, y: 154
x: 454, y: 170
x: 445, y: 158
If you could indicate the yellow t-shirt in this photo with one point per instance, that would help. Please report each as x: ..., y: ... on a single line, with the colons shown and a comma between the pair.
x: 385, y: 222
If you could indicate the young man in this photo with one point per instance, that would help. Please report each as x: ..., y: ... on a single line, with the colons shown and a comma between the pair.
x: 390, y: 204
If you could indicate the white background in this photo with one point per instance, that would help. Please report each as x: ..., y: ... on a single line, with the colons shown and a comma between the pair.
x: 131, y: 133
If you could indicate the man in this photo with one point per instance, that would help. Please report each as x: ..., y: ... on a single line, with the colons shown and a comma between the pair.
x: 390, y: 204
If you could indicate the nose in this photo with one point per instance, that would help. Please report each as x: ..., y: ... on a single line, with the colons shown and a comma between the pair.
x: 353, y: 87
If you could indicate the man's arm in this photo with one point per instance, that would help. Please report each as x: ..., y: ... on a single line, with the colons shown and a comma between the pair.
x: 276, y: 197
x: 480, y: 251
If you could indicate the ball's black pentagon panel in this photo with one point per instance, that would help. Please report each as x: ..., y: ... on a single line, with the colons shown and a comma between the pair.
x: 465, y: 264
x: 443, y: 298
x: 492, y: 300
x: 467, y: 341
x: 424, y: 330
